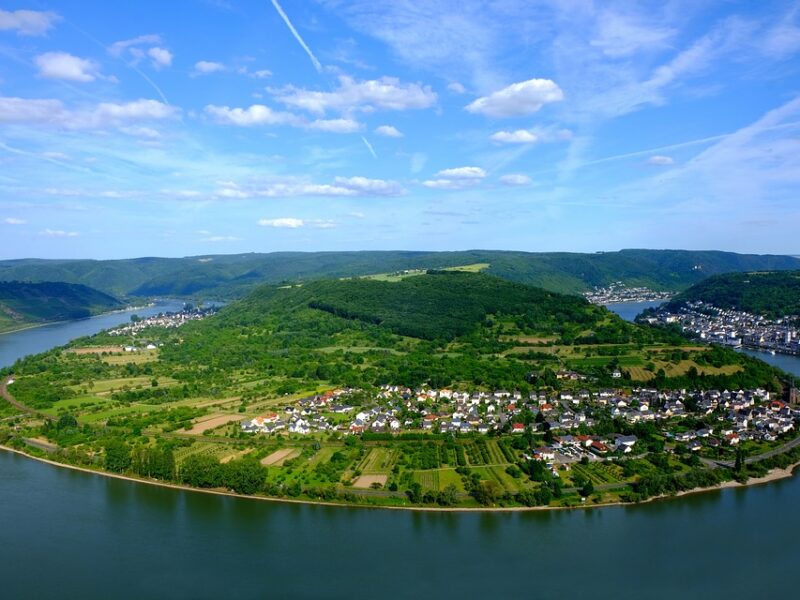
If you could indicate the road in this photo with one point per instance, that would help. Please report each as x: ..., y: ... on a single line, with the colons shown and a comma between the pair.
x: 752, y: 459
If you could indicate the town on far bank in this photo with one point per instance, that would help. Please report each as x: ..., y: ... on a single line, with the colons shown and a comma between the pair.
x: 620, y: 292
x: 728, y: 327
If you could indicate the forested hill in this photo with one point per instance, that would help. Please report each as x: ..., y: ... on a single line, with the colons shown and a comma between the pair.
x: 772, y: 294
x: 440, y: 305
x: 440, y: 328
x: 28, y: 303
x: 230, y: 276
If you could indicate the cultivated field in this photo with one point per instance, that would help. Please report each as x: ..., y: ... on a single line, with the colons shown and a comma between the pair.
x: 212, y: 422
x: 277, y: 458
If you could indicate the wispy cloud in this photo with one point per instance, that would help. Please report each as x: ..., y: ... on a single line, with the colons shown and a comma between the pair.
x: 659, y: 160
x: 289, y: 188
x: 386, y: 93
x: 58, y: 233
x: 294, y: 223
x: 516, y: 179
x: 45, y: 112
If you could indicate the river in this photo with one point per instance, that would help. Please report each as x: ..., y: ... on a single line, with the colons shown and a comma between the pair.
x: 38, y: 339
x: 67, y: 534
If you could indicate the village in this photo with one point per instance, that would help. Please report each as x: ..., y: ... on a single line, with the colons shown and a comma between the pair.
x: 166, y: 320
x: 732, y: 328
x: 619, y: 292
x: 567, y: 419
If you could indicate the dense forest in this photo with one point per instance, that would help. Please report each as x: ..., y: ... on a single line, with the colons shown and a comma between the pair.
x: 229, y: 276
x: 441, y: 329
x: 771, y: 294
x: 23, y: 303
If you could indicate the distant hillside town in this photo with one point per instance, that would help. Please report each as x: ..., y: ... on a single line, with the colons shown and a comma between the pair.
x: 619, y: 292
x: 731, y: 328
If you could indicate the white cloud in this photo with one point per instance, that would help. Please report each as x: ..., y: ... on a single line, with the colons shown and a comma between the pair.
x: 133, y: 111
x: 58, y: 233
x: 456, y: 179
x: 27, y: 22
x: 531, y: 136
x: 660, y: 161
x: 257, y: 114
x: 370, y: 187
x: 515, y: 179
x: 61, y: 65
x: 448, y: 184
x: 462, y: 173
x: 518, y: 99
x: 386, y: 93
x: 161, y: 57
x: 519, y: 136
x: 295, y: 187
x: 105, y: 114
x: 456, y: 88
x: 14, y: 221
x: 260, y: 114
x: 335, y: 125
x: 388, y: 131
x: 118, y: 48
x: 205, y: 67
x: 284, y: 222
x: 260, y: 74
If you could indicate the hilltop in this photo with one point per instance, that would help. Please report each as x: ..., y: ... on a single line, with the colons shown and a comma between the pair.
x: 770, y: 294
x: 23, y: 303
x: 231, y: 276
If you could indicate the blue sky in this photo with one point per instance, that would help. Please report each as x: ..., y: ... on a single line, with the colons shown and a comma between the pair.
x: 190, y: 127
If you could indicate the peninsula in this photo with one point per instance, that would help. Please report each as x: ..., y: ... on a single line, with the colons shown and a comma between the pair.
x: 424, y: 389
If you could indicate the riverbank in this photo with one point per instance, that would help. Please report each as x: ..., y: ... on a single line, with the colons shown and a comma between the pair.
x: 773, y: 475
x: 104, y: 313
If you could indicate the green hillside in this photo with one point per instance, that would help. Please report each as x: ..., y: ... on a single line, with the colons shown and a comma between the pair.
x: 442, y: 329
x: 772, y: 294
x: 231, y: 276
x: 24, y: 303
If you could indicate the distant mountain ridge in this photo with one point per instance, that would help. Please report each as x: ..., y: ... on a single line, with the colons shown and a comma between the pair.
x: 771, y: 294
x: 230, y: 276
x: 25, y: 303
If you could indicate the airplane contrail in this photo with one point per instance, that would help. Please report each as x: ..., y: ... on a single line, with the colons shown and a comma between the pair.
x: 369, y: 147
x: 314, y: 61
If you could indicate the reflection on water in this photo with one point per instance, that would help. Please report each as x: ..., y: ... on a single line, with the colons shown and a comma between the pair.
x: 146, y: 541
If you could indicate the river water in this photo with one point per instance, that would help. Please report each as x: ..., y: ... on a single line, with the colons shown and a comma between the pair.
x: 38, y: 339
x: 67, y: 534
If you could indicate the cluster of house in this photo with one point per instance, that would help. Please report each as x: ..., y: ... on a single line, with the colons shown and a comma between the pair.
x: 732, y: 328
x: 165, y: 320
x: 569, y: 415
x: 619, y: 292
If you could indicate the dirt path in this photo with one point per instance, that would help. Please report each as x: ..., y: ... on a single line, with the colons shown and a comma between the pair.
x: 6, y: 395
